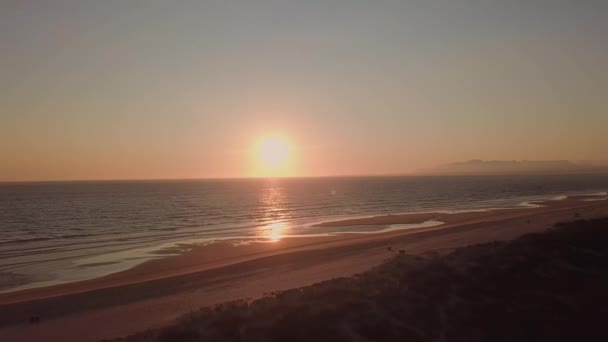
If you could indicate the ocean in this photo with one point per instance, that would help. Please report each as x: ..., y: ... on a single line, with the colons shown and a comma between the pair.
x: 54, y: 232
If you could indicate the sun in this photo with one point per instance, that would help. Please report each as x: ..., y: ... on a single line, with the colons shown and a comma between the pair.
x: 273, y: 151
x: 273, y: 156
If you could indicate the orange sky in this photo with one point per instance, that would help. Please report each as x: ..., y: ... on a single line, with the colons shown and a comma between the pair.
x: 138, y: 90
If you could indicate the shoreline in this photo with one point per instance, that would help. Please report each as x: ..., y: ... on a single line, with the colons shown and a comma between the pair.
x: 100, y: 266
x: 156, y: 292
x: 229, y: 251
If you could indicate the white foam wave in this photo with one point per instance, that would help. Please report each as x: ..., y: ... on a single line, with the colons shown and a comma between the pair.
x: 395, y: 227
x: 531, y: 204
x: 595, y: 199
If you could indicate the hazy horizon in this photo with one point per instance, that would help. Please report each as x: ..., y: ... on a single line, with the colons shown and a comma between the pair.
x: 449, y: 169
x: 234, y: 89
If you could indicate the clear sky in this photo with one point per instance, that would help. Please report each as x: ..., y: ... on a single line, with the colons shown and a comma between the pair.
x: 182, y: 89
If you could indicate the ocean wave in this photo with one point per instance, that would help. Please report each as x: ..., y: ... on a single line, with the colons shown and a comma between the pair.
x: 595, y: 199
x: 20, y: 241
x: 76, y: 219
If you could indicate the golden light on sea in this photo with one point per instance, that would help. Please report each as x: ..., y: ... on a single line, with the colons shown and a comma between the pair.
x: 275, y: 231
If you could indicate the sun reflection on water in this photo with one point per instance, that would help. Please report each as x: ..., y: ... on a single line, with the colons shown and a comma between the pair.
x: 274, y: 199
x: 275, y: 231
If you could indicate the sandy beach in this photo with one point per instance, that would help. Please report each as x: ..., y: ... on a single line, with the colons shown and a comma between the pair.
x: 157, y: 292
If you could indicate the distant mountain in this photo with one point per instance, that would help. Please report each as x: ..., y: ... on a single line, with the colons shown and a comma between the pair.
x: 481, y: 167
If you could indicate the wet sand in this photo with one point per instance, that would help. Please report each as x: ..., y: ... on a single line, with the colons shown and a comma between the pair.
x: 156, y: 292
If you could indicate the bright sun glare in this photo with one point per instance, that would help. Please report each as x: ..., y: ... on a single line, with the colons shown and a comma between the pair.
x: 275, y: 231
x: 273, y: 152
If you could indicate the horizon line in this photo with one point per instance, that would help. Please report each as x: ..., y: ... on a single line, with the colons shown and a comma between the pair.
x: 412, y: 174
